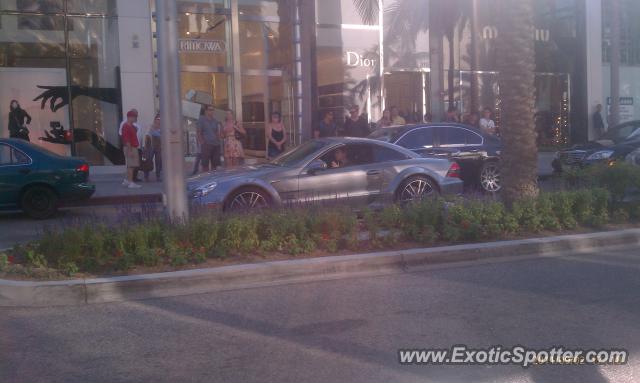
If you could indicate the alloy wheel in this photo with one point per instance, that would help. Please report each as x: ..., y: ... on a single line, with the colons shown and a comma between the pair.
x: 248, y: 200
x: 416, y: 190
x: 490, y: 178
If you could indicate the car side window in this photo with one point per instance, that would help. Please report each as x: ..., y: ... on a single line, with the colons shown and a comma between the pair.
x: 5, y: 154
x: 473, y: 138
x: 417, y: 139
x: 11, y: 156
x: 384, y: 154
x: 453, y: 136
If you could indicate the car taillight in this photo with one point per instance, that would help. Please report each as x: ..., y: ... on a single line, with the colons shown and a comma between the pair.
x: 84, y: 168
x: 454, y: 170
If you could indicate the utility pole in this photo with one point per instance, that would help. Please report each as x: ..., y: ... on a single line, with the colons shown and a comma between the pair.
x: 171, y: 111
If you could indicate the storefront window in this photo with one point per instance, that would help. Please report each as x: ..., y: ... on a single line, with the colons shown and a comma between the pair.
x: 406, y: 37
x: 348, y: 64
x: 39, y: 6
x: 102, y: 7
x: 335, y: 12
x: 263, y: 8
x: 93, y: 60
x: 203, y: 40
x: 60, y: 66
x: 265, y: 45
x: 201, y: 6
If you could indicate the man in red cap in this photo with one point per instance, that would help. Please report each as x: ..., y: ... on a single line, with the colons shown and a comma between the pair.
x: 130, y: 145
x: 137, y: 126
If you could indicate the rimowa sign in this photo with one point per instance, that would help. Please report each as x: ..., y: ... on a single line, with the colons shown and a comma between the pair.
x: 202, y: 46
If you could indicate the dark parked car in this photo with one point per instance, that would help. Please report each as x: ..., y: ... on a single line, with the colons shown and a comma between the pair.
x: 477, y: 153
x: 615, y: 145
x: 356, y: 170
x: 36, y: 180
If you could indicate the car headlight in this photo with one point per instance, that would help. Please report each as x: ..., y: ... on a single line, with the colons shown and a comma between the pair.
x: 204, y: 190
x: 601, y: 155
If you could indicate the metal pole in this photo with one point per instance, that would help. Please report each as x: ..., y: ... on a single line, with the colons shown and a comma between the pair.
x: 614, y: 116
x: 171, y: 111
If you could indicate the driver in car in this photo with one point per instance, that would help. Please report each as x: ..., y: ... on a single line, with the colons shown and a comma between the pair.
x: 340, y: 158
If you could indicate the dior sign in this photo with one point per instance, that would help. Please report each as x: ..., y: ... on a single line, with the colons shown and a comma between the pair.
x: 354, y: 59
x: 202, y: 46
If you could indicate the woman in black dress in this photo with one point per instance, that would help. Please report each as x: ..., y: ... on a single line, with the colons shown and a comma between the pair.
x: 17, y: 126
x: 276, y: 135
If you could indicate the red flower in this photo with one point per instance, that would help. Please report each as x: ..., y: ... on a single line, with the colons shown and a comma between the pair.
x: 465, y: 224
x: 11, y: 259
x: 325, y: 236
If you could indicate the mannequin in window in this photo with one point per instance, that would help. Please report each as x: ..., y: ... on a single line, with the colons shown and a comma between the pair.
x: 17, y: 123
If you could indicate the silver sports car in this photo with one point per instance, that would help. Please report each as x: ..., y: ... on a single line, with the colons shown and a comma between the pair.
x: 357, y: 170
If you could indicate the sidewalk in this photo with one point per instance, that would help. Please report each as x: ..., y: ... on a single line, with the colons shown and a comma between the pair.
x: 109, y: 189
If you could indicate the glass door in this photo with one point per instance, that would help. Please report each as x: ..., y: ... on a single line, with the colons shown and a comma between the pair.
x: 261, y: 96
x: 408, y: 91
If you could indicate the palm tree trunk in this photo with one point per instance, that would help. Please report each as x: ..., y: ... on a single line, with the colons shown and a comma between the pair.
x: 614, y: 116
x: 517, y: 91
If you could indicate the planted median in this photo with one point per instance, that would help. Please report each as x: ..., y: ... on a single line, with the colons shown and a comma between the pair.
x: 154, y: 244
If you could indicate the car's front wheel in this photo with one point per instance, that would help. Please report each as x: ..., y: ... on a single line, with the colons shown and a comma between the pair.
x: 415, y: 189
x: 490, y: 177
x: 39, y: 202
x: 247, y: 199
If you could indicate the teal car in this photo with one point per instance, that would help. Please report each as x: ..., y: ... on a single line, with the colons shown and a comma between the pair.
x: 38, y: 181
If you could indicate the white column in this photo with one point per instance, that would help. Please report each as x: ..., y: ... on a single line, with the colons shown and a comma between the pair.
x: 595, y: 90
x: 136, y: 59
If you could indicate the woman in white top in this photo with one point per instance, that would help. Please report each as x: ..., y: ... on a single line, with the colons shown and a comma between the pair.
x: 486, y: 123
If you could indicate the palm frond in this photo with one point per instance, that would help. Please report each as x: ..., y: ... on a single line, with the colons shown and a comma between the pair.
x: 368, y: 10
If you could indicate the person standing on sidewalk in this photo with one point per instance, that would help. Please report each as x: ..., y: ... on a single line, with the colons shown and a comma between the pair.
x: 356, y: 125
x: 131, y: 146
x: 277, y: 136
x: 487, y: 125
x: 209, y: 138
x: 598, y: 121
x: 137, y: 127
x: 233, y: 133
x: 156, y: 146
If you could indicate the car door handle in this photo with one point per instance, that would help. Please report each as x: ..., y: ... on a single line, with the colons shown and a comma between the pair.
x: 373, y: 172
x: 25, y: 171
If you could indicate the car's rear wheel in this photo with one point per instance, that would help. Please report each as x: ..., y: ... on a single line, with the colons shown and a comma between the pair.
x: 248, y: 199
x: 39, y: 202
x: 416, y: 188
x: 490, y: 177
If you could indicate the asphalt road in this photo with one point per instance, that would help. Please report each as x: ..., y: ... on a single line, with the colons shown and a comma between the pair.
x: 342, y: 331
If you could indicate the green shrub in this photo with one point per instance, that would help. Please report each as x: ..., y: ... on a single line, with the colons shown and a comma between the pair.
x: 548, y: 218
x: 4, y: 261
x: 422, y: 221
x: 562, y: 206
x: 526, y: 214
x: 618, y: 178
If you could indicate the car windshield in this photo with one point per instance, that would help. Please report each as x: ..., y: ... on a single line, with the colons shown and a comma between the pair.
x: 384, y: 134
x: 623, y: 132
x: 296, y: 155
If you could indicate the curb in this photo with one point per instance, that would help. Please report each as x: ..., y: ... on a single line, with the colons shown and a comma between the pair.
x: 186, y: 282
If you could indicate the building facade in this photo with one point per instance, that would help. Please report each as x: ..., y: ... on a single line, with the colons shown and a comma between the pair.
x: 84, y: 63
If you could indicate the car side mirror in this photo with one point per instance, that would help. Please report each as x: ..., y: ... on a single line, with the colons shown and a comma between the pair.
x: 316, y: 166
